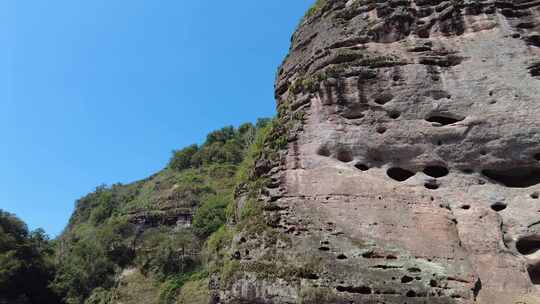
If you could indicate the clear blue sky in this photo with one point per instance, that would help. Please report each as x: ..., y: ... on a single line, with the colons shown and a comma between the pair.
x: 101, y: 91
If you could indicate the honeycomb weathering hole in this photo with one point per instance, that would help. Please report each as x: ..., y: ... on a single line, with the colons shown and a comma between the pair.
x: 361, y: 167
x: 383, y: 98
x: 498, y: 206
x: 411, y: 294
x: 394, y: 114
x: 436, y: 171
x: 515, y: 178
x: 399, y: 174
x: 406, y: 279
x: 467, y: 171
x: 528, y: 245
x: 355, y: 111
x: 431, y: 185
x: 443, y: 120
x: 344, y: 155
x: 351, y: 289
x: 534, y: 274
x: 323, y: 151
x: 341, y: 257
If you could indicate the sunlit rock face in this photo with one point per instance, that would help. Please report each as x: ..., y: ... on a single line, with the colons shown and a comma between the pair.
x: 414, y: 174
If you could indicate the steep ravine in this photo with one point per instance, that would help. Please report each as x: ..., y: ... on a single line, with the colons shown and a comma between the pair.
x: 411, y: 168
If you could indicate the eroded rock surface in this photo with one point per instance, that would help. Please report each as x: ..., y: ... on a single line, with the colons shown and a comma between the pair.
x: 412, y: 172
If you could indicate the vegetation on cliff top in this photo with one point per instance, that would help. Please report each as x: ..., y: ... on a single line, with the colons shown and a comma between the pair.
x: 150, y: 238
x: 157, y: 226
x: 314, y: 8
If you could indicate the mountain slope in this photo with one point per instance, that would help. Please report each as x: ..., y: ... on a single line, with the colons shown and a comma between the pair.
x: 144, y: 240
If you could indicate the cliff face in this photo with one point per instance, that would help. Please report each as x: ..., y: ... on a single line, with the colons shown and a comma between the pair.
x: 412, y: 169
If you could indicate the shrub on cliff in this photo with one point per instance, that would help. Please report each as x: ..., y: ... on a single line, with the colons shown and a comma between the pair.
x: 224, y: 146
x: 314, y: 8
x: 83, y: 269
x: 26, y: 267
x: 165, y: 253
x: 182, y: 159
x: 210, y: 215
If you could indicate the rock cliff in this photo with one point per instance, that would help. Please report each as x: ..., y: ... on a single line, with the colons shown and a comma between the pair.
x: 411, y: 169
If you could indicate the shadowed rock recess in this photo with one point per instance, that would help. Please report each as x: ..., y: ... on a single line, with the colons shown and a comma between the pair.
x: 411, y: 168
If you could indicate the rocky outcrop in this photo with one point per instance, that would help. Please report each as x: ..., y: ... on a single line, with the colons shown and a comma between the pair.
x: 412, y: 169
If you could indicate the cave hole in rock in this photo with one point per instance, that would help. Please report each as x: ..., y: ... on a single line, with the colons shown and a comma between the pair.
x: 537, y: 156
x: 466, y: 207
x: 431, y: 185
x: 342, y: 257
x: 399, y: 174
x: 324, y: 248
x: 351, y: 289
x: 406, y: 279
x: 323, y: 151
x: 533, y: 40
x: 534, y: 274
x: 353, y: 115
x: 383, y: 98
x: 411, y: 294
x: 514, y: 177
x: 498, y: 206
x: 381, y: 130
x: 443, y: 120
x: 361, y: 166
x: 535, y: 195
x: 344, y: 155
x: 309, y: 275
x: 528, y: 245
x: 394, y: 114
x: 467, y: 171
x: 436, y: 171
x: 526, y: 25
x: 355, y: 111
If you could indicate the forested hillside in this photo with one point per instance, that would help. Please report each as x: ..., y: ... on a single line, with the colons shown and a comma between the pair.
x: 145, y: 240
x: 151, y: 241
x: 26, y: 263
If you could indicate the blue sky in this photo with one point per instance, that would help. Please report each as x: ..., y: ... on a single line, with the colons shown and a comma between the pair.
x: 101, y: 91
